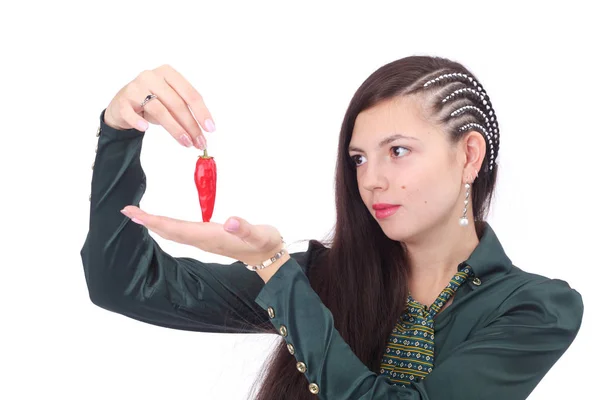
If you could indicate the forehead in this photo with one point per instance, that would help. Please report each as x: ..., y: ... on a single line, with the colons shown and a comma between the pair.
x: 398, y: 115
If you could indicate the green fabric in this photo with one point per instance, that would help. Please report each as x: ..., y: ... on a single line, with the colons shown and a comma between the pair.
x: 495, y: 341
x: 409, y: 355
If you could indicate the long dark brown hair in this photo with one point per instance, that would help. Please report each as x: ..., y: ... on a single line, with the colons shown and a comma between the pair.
x: 357, y: 257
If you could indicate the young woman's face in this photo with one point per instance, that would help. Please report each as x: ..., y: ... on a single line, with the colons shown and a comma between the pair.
x: 418, y: 170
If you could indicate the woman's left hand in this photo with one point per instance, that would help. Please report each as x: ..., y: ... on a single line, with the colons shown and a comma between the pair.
x: 251, y: 244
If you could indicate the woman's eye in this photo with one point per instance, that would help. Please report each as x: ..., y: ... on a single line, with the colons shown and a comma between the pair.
x: 399, y: 147
x: 354, y: 158
x: 396, y: 154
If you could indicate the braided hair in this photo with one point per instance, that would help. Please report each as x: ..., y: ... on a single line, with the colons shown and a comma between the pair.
x: 461, y: 104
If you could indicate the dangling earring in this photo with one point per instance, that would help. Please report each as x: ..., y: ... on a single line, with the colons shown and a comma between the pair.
x: 464, y: 221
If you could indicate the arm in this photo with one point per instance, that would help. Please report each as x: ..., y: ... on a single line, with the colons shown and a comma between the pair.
x: 128, y: 273
x: 504, y: 360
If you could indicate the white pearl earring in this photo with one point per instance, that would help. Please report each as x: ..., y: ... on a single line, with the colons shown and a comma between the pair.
x: 464, y: 221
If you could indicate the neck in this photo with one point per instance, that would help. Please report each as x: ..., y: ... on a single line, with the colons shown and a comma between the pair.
x: 434, y: 257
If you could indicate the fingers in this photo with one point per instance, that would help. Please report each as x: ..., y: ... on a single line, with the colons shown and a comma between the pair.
x: 179, y: 96
x: 169, y: 110
x: 207, y: 236
x: 259, y: 237
x: 252, y: 243
x: 189, y: 94
x: 132, y: 118
x: 179, y: 107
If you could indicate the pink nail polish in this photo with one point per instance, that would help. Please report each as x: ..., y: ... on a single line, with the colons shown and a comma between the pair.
x: 137, y: 221
x: 185, y: 140
x: 201, y: 141
x: 232, y: 225
x: 142, y: 125
x: 210, y: 125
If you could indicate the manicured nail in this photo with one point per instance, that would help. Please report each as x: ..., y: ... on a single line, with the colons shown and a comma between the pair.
x: 232, y: 225
x: 210, y: 125
x: 142, y: 125
x: 201, y: 142
x: 137, y: 221
x: 185, y: 140
x: 125, y: 213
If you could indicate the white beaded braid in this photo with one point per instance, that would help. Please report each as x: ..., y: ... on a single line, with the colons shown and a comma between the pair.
x: 462, y: 109
x: 459, y: 91
x: 490, y: 131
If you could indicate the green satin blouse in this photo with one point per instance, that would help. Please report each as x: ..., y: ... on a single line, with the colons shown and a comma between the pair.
x: 502, y: 333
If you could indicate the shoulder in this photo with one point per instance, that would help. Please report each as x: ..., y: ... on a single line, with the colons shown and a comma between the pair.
x: 543, y: 298
x: 536, y: 284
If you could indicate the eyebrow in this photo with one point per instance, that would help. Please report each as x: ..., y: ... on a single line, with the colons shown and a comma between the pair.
x: 385, y: 141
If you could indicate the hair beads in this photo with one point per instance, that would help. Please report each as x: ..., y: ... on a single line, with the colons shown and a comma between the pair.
x: 490, y: 131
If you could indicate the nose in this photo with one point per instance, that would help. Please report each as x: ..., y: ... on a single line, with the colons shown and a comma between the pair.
x: 373, y: 177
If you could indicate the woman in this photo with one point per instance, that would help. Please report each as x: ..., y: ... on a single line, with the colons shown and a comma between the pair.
x: 413, y: 298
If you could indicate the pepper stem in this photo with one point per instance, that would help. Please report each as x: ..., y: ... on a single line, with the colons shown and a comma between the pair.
x: 205, y: 155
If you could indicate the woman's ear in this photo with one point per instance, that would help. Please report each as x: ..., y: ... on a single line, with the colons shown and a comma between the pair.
x: 474, y: 148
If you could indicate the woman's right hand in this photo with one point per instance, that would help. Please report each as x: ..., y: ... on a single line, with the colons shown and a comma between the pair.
x: 170, y: 108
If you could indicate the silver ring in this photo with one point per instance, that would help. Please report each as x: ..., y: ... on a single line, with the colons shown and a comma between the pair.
x: 147, y: 99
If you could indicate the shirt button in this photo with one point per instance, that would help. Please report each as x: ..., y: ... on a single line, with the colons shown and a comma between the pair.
x: 98, y: 132
x: 291, y: 348
x: 301, y: 367
x: 313, y: 388
x: 271, y: 312
x: 283, y: 330
x: 476, y: 281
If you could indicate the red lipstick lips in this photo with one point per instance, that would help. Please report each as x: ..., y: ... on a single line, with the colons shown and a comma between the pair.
x: 384, y: 210
x: 382, y: 206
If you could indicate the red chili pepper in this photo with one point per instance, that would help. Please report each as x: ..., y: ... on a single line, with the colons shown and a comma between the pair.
x: 205, y: 177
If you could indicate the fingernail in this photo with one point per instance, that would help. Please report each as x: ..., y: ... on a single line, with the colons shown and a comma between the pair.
x: 210, y: 125
x: 137, y: 221
x: 232, y: 225
x: 125, y: 213
x: 201, y: 142
x: 143, y: 125
x: 185, y: 140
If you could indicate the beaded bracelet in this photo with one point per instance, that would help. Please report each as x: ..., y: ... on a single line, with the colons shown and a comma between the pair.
x: 270, y: 261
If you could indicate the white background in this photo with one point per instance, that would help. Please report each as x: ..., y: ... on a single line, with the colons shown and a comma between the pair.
x: 277, y: 78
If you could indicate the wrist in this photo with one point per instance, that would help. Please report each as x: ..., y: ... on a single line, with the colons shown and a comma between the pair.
x: 267, y: 273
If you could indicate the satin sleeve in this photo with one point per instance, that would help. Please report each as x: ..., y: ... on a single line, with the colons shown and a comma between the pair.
x: 505, y: 359
x: 127, y: 272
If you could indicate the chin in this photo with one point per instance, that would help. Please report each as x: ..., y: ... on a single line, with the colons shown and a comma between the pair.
x: 404, y: 231
x: 400, y: 232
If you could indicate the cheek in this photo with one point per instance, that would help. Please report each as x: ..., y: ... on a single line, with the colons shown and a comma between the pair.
x: 428, y: 192
x: 413, y: 185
